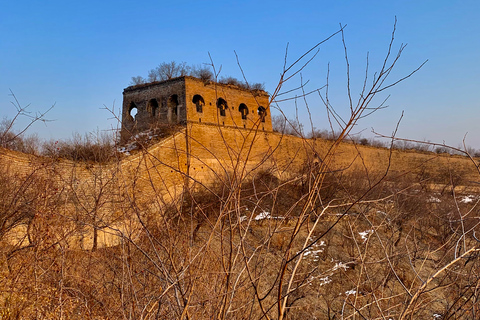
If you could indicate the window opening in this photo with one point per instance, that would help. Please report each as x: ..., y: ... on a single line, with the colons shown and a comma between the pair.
x: 153, y: 107
x: 243, y: 110
x: 133, y: 111
x: 199, y: 102
x: 262, y: 113
x: 222, y: 106
x: 173, y: 103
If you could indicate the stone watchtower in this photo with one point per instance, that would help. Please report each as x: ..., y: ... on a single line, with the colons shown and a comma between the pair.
x: 188, y: 99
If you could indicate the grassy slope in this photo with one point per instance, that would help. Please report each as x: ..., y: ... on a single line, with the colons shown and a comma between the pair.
x: 207, y: 256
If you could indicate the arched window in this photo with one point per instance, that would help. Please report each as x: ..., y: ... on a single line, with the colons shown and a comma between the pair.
x: 262, y: 113
x: 243, y: 110
x: 199, y: 102
x: 173, y: 103
x: 132, y: 110
x: 222, y: 106
x: 152, y: 107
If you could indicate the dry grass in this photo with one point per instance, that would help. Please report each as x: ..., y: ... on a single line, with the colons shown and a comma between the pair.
x: 361, y: 252
x: 305, y: 229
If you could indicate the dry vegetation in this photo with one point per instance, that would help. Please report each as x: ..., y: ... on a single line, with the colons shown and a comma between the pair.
x: 260, y: 248
x: 323, y: 244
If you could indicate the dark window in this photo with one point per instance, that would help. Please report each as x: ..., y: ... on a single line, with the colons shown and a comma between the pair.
x: 262, y: 113
x: 243, y: 110
x: 173, y: 103
x: 153, y: 107
x: 199, y: 102
x: 222, y: 106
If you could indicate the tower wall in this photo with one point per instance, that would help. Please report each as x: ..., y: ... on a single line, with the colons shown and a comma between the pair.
x: 234, y: 97
x: 188, y: 99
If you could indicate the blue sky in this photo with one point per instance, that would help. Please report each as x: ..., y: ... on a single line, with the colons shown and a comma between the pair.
x: 79, y: 55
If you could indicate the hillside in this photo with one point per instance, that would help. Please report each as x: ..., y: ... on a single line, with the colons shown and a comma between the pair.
x: 218, y: 222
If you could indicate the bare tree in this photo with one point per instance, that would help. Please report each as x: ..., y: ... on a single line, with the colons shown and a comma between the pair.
x: 307, y: 228
x: 202, y: 72
x: 9, y: 136
x: 168, y: 70
x: 137, y: 80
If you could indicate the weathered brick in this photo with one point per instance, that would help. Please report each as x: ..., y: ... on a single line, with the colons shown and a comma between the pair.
x: 188, y: 99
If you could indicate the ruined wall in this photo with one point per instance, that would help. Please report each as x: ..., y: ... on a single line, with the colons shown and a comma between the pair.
x: 183, y: 99
x: 202, y: 154
x: 154, y: 104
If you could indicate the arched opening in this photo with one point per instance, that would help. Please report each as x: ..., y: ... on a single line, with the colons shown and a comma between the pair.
x: 199, y: 102
x: 243, y: 111
x: 262, y: 113
x: 132, y: 111
x: 152, y: 107
x: 222, y: 106
x: 173, y: 103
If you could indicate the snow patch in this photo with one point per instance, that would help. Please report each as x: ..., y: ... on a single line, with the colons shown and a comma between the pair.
x: 365, y: 234
x: 265, y: 215
x: 339, y: 265
x: 262, y: 215
x: 349, y: 292
x: 315, y: 250
x: 467, y: 199
x: 324, y: 281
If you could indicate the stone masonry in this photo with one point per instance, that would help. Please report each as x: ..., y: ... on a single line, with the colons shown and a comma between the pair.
x: 187, y: 99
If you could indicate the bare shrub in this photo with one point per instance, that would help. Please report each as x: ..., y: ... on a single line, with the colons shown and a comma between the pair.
x: 317, y: 238
x: 98, y: 147
x: 168, y: 70
x: 202, y: 72
x: 14, y: 138
x: 287, y: 126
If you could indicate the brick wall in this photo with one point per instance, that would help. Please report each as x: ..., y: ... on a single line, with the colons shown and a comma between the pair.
x: 206, y: 154
x: 236, y: 99
x: 183, y: 99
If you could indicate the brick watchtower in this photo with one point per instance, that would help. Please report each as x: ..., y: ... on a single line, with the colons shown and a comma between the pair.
x: 188, y: 99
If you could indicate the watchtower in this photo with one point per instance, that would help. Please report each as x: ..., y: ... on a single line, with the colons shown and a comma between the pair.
x: 188, y: 99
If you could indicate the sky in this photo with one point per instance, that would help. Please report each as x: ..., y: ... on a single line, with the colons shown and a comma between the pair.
x: 78, y: 56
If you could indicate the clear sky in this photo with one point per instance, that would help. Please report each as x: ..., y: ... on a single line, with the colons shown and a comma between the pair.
x: 80, y: 55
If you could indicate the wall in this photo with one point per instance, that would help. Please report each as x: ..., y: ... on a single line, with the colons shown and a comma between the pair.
x: 183, y: 99
x: 168, y: 95
x: 207, y: 155
x: 234, y: 97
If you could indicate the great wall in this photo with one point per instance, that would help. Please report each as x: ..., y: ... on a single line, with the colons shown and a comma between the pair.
x: 208, y: 149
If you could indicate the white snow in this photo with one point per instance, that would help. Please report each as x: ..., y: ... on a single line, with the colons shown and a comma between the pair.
x: 315, y: 250
x: 467, y: 199
x: 308, y: 252
x: 339, y: 265
x: 266, y: 215
x: 324, y: 281
x: 263, y: 215
x: 349, y: 292
x: 365, y: 234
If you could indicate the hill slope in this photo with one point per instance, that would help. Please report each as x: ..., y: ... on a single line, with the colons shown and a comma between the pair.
x: 230, y: 223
